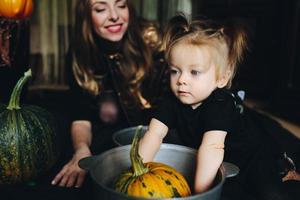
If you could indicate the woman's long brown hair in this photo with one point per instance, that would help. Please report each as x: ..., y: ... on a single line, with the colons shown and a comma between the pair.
x: 136, y: 59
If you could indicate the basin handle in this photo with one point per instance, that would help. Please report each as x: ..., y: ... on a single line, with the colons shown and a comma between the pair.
x: 87, y: 163
x: 231, y: 170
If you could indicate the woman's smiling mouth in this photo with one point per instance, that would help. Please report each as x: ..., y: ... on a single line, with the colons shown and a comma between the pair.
x: 114, y: 28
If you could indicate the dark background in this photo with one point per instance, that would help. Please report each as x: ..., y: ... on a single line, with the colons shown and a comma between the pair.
x: 269, y: 73
x: 272, y: 67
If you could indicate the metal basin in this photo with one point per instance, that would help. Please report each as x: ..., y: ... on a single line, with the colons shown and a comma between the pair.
x: 126, y: 135
x: 105, y: 168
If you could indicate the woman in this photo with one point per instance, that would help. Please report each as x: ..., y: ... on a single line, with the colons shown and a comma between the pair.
x: 110, y: 61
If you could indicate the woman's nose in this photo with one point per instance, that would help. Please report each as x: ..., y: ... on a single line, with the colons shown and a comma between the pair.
x: 113, y: 15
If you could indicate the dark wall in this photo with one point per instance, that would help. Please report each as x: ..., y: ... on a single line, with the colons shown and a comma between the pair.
x: 14, y: 54
x: 271, y: 69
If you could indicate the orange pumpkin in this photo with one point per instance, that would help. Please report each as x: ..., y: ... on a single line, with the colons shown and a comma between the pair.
x: 16, y: 9
x: 152, y: 179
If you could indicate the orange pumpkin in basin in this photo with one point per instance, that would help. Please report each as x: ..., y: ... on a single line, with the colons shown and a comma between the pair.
x: 152, y: 179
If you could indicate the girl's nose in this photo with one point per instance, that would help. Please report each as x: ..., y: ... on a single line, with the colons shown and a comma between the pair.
x: 181, y: 80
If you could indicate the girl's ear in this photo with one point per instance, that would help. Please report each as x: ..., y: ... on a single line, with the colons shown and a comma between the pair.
x: 223, y: 80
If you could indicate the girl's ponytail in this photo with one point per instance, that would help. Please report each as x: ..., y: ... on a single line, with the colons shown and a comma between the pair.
x: 176, y: 27
x: 236, y: 36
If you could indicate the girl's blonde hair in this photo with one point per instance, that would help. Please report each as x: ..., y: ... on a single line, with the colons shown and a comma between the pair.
x: 136, y: 59
x: 227, y: 42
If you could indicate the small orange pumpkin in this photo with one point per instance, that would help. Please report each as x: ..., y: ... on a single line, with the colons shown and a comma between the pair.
x: 16, y: 9
x: 152, y: 179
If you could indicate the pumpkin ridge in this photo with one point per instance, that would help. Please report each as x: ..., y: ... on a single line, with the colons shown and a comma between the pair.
x: 131, y: 179
x: 25, y: 157
x: 12, y: 161
x: 162, y: 186
x: 28, y: 159
x: 184, y: 185
x: 175, y: 183
x: 38, y: 120
x: 169, y: 174
x: 18, y: 152
x: 166, y: 180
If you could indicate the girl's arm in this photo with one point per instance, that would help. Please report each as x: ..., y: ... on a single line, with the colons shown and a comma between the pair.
x: 150, y: 143
x: 209, y: 158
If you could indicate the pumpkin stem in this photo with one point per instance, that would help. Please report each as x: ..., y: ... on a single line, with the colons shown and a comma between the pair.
x: 136, y: 160
x: 14, y: 102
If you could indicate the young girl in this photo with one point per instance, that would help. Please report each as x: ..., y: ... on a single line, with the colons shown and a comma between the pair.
x: 203, y: 56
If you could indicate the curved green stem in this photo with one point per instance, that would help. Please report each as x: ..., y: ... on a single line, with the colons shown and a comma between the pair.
x: 14, y: 102
x: 136, y: 160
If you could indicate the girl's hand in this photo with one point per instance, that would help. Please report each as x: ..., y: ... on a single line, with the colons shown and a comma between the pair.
x: 71, y: 174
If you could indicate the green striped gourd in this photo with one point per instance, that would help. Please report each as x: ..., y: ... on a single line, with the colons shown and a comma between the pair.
x: 27, y: 139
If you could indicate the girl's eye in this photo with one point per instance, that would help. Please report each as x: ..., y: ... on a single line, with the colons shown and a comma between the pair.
x: 174, y: 71
x: 195, y: 72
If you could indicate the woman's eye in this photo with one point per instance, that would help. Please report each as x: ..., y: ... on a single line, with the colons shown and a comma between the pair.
x: 123, y: 6
x: 195, y: 72
x: 98, y: 10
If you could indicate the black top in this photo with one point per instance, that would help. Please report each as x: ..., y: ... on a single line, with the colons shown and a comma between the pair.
x: 107, y: 73
x: 220, y: 111
x: 85, y: 106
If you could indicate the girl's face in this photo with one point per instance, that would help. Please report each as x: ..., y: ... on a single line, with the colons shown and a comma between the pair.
x: 110, y: 18
x: 193, y: 75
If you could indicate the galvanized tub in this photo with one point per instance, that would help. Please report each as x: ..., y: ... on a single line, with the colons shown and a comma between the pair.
x: 125, y: 136
x: 105, y: 168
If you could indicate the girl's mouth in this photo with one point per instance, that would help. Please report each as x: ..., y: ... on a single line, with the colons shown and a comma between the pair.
x: 182, y: 93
